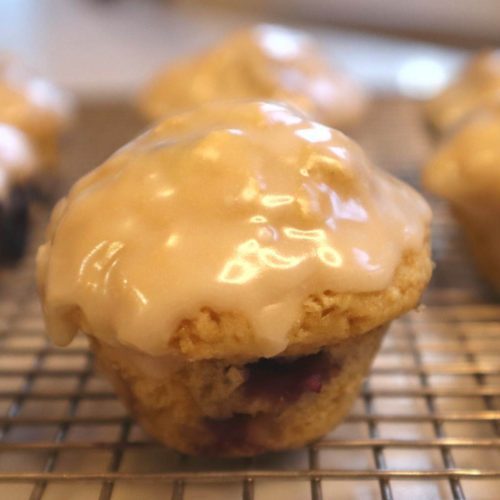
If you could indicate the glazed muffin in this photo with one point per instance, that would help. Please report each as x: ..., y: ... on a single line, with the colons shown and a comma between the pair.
x: 466, y: 172
x: 35, y: 106
x: 235, y: 269
x: 263, y: 62
x: 17, y: 167
x: 476, y: 86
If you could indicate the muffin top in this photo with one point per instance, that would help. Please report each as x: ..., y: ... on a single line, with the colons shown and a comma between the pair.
x: 31, y: 103
x: 466, y: 168
x: 242, y: 210
x: 263, y: 62
x: 17, y: 158
x: 477, y: 85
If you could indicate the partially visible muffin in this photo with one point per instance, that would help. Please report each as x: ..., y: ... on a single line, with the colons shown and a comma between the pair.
x: 477, y: 85
x: 235, y: 269
x: 262, y: 62
x: 17, y: 166
x: 35, y: 106
x: 466, y: 172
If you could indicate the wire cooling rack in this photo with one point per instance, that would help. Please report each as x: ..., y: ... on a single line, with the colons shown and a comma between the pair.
x: 425, y: 425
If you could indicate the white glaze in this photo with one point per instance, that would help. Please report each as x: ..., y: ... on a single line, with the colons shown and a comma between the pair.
x: 246, y: 207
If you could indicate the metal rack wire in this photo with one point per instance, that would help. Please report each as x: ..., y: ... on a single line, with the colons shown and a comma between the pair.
x: 426, y: 424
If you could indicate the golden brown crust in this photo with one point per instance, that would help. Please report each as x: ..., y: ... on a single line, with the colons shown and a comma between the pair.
x: 200, y: 407
x: 326, y: 318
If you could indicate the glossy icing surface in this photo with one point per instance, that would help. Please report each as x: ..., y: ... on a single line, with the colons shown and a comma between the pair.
x: 247, y: 208
x: 263, y: 62
x: 17, y: 158
x: 466, y: 169
x: 478, y: 84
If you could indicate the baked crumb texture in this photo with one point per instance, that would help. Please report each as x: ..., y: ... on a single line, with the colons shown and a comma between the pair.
x: 234, y: 410
x: 326, y: 318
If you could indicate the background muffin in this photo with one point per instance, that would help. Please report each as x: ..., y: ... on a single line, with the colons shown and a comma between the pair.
x: 262, y: 62
x: 466, y: 172
x: 35, y: 106
x: 477, y: 85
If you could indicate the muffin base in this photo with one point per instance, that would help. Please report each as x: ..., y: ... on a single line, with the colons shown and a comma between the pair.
x: 215, y: 408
